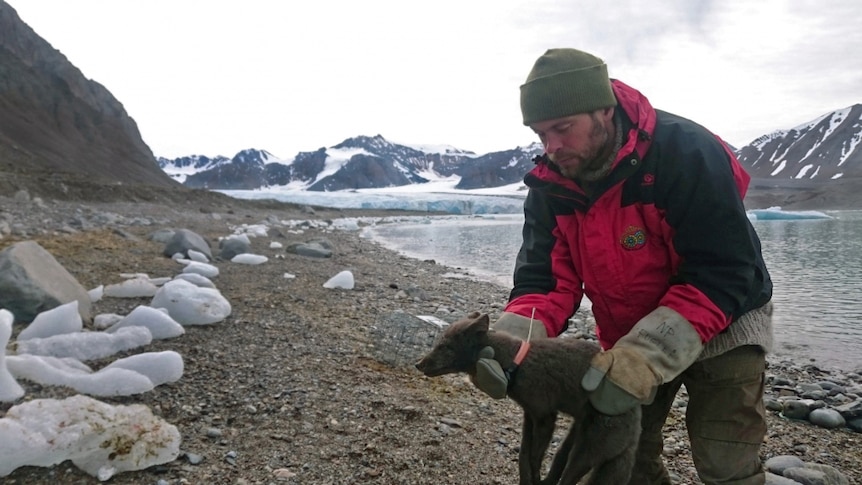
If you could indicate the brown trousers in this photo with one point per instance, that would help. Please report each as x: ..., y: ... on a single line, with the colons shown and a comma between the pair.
x: 725, y: 418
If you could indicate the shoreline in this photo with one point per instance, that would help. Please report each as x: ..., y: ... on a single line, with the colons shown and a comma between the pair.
x: 786, y: 348
x: 289, y: 381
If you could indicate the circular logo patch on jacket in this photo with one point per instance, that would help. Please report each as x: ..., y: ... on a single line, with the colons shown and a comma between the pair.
x: 633, y: 238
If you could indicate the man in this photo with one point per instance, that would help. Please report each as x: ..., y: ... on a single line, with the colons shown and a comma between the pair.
x: 641, y: 211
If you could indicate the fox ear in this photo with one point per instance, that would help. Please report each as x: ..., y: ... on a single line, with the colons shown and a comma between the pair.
x: 481, y: 323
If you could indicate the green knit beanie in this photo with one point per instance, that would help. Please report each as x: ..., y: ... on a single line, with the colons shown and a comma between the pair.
x: 565, y: 82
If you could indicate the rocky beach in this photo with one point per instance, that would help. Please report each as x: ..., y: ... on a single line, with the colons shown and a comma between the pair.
x: 308, y: 385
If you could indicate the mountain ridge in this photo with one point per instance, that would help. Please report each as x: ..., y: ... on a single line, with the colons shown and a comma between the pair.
x: 813, y: 165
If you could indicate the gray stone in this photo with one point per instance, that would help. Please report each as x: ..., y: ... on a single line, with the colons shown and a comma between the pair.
x: 815, y: 394
x: 311, y: 250
x: 323, y: 242
x: 777, y: 464
x: 808, y: 387
x: 162, y: 236
x: 773, y: 479
x: 772, y: 404
x: 827, y: 418
x: 827, y: 385
x: 22, y: 196
x: 806, y: 476
x: 851, y: 410
x: 183, y: 240
x: 796, y: 409
x: 781, y: 381
x: 833, y: 476
x: 32, y: 281
x: 233, y: 246
x: 417, y: 293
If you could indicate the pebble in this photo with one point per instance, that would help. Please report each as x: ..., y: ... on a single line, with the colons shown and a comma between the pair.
x: 230, y: 457
x: 194, y: 458
x: 283, y: 474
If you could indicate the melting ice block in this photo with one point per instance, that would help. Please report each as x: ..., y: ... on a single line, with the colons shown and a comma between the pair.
x: 249, y: 258
x: 159, y: 367
x: 191, y: 305
x: 100, y: 439
x: 10, y: 390
x: 343, y: 279
x: 87, y: 345
x: 56, y: 321
x: 160, y: 324
x: 71, y: 373
x: 131, y: 288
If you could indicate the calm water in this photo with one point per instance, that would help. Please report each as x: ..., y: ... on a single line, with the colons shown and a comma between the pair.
x: 816, y: 267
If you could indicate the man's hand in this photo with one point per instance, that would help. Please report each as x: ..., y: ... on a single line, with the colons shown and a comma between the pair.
x: 520, y: 326
x: 656, y: 350
x: 490, y: 377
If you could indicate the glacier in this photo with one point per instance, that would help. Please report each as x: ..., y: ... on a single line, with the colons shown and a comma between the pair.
x: 500, y: 200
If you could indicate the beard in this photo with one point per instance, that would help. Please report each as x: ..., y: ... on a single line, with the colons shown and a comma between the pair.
x: 593, y: 162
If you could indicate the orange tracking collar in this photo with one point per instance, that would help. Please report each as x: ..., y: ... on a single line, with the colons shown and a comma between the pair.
x: 519, y: 357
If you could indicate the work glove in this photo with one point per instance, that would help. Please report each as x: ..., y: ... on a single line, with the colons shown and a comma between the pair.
x: 490, y: 377
x: 656, y: 350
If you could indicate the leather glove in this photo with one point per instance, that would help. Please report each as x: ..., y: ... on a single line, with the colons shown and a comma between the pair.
x: 519, y: 326
x: 490, y: 377
x: 656, y: 350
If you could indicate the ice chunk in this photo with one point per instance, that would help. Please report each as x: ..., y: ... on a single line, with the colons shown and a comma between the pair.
x: 105, y: 320
x: 100, y: 439
x: 198, y: 256
x: 10, y: 390
x: 131, y: 288
x: 159, y: 367
x: 56, y: 321
x: 196, y: 279
x: 191, y: 305
x: 96, y: 293
x: 87, y: 345
x: 248, y: 258
x: 343, y: 279
x: 67, y: 372
x: 202, y: 269
x: 160, y: 324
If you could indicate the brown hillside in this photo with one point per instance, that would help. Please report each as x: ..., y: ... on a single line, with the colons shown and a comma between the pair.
x: 54, y: 122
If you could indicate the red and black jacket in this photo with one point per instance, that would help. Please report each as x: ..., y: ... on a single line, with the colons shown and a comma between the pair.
x: 667, y: 227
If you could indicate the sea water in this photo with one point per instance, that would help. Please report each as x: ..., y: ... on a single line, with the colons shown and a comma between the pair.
x: 816, y: 268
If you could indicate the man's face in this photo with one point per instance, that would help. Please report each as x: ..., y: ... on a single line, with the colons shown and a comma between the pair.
x: 579, y: 145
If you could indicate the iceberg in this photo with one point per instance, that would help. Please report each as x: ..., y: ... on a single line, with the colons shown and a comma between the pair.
x: 776, y: 214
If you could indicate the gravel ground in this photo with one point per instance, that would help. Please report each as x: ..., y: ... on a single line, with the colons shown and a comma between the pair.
x: 290, y: 388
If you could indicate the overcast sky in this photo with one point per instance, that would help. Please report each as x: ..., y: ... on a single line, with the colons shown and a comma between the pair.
x: 214, y: 77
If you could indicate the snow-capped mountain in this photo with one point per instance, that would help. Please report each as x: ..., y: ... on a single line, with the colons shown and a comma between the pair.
x: 806, y: 159
x: 180, y: 169
x: 356, y: 163
x: 827, y: 148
